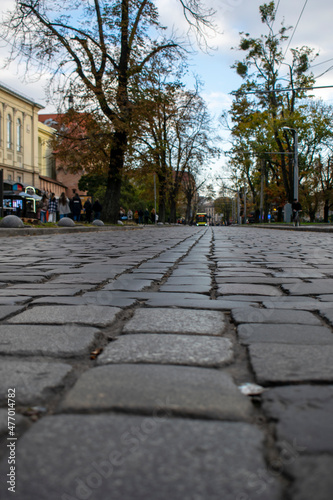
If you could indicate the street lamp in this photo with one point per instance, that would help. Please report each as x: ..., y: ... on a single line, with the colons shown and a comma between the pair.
x: 295, y: 133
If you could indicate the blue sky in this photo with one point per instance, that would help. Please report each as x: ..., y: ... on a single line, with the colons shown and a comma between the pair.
x: 232, y: 16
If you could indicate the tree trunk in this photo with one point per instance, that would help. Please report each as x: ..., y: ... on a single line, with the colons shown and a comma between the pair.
x: 173, y: 207
x: 189, y: 197
x: 110, y: 212
x: 326, y: 210
x: 162, y: 197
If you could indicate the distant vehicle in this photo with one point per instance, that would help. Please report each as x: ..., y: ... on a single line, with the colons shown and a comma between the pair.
x: 201, y: 219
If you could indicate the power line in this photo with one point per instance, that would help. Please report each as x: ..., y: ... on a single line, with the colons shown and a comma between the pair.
x: 275, y: 13
x: 293, y: 33
x: 324, y: 73
x: 235, y: 92
x: 318, y: 64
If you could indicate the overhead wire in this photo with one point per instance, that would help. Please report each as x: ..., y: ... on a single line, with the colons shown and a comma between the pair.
x: 294, y: 31
x: 275, y: 13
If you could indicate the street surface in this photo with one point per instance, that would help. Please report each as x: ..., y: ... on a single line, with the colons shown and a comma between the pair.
x: 127, y: 358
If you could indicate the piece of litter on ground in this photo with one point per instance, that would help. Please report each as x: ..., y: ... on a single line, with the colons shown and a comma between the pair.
x: 251, y: 389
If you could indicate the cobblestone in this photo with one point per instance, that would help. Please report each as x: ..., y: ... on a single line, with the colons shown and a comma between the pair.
x: 175, y: 321
x: 169, y: 349
x: 129, y: 363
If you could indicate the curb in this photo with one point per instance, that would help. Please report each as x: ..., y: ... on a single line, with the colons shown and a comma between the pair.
x: 36, y: 231
x: 325, y: 229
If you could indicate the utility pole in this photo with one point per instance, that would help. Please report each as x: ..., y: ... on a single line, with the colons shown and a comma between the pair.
x: 238, y: 209
x: 296, y: 179
x: 155, y: 198
x: 262, y: 190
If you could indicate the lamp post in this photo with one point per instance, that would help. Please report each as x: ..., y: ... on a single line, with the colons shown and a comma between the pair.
x: 295, y: 134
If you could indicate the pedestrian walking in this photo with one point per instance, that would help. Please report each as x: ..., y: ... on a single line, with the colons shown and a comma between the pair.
x: 146, y: 216
x: 296, y: 208
x: 97, y: 209
x: 43, y: 206
x: 140, y: 216
x: 88, y: 209
x: 76, y: 207
x: 130, y: 214
x: 153, y: 215
x: 52, y: 208
x: 63, y: 206
x: 136, y: 216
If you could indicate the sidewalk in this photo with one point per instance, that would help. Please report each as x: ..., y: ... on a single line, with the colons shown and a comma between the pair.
x: 319, y: 228
x: 127, y: 358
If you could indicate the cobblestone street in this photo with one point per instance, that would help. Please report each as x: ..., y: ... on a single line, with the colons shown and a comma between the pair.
x: 167, y: 363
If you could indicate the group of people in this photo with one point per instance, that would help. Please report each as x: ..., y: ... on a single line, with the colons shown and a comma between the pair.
x: 143, y: 216
x: 49, y: 207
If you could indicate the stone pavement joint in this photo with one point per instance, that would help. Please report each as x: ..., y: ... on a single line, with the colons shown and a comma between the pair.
x: 128, y: 347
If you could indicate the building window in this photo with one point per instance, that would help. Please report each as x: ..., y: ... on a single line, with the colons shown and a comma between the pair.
x: 19, y: 178
x: 9, y: 177
x: 19, y: 135
x: 9, y: 131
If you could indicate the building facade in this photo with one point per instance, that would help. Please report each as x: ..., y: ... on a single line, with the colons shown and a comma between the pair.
x: 18, y: 137
x: 26, y: 148
x: 56, y: 169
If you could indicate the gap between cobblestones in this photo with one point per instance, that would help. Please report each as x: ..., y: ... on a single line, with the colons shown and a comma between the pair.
x: 240, y: 369
x: 82, y: 363
x: 242, y: 372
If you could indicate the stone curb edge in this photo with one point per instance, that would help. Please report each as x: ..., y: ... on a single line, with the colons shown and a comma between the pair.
x: 34, y: 231
x: 292, y: 228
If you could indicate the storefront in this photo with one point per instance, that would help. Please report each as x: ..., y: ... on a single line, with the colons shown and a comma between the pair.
x: 20, y: 200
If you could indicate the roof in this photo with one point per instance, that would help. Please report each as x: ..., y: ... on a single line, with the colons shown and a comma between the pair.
x: 50, y: 119
x: 20, y: 96
x: 48, y: 179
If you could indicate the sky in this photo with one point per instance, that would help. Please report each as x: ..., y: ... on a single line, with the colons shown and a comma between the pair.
x: 311, y: 19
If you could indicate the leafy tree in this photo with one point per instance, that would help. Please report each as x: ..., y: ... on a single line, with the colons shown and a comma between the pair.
x: 99, y: 48
x: 223, y: 205
x: 175, y: 139
x: 261, y: 108
x: 82, y: 143
x: 92, y: 183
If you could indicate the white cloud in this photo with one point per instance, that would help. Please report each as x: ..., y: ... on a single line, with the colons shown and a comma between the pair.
x: 232, y: 16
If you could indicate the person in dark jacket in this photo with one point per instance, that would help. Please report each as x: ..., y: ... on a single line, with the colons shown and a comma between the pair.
x: 76, y: 207
x: 97, y: 208
x: 88, y: 209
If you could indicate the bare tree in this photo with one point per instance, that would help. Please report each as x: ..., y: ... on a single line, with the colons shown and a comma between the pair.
x: 99, y: 48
